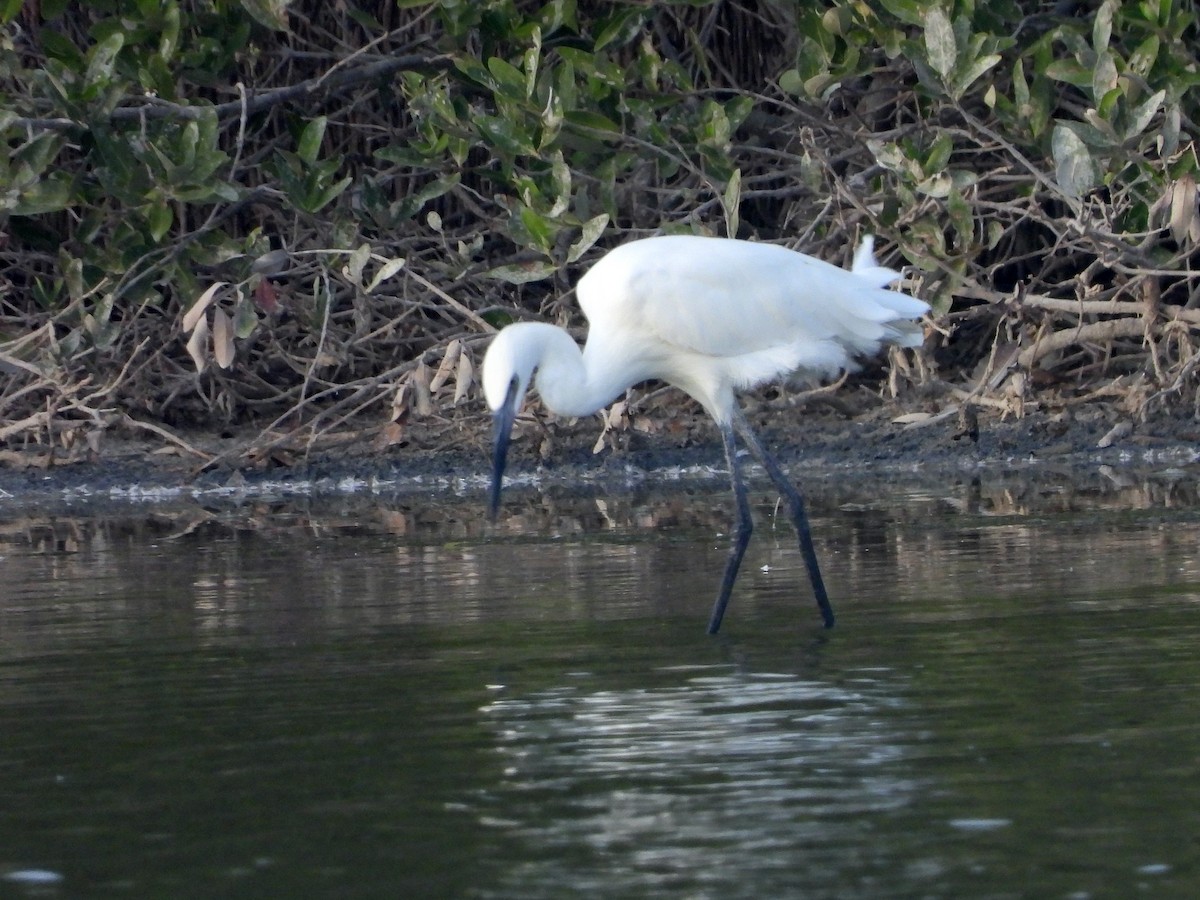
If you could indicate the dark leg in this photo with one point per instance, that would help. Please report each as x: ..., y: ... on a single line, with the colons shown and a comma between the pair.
x: 741, y: 532
x: 799, y: 516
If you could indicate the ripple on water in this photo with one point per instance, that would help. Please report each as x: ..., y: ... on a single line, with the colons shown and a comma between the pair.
x: 693, y: 783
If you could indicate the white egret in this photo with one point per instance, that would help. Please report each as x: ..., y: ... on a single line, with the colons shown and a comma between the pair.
x: 709, y: 316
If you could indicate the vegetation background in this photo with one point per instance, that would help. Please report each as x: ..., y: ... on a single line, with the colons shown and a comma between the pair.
x: 295, y: 224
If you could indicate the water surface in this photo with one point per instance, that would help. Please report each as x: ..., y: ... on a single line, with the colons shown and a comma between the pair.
x: 379, y: 699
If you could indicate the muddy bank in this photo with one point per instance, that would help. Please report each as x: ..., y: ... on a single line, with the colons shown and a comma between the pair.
x: 819, y: 448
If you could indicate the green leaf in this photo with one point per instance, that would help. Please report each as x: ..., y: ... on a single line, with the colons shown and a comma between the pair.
x: 101, y: 59
x: 209, y: 192
x: 939, y: 154
x: 995, y: 233
x: 413, y: 203
x: 271, y: 13
x: 9, y: 9
x: 1102, y: 24
x: 498, y: 318
x: 1141, y: 60
x: 1070, y: 71
x: 836, y: 20
x: 975, y: 71
x: 1108, y: 105
x: 552, y: 121
x: 941, y: 47
x: 310, y: 139
x: 474, y: 70
x: 540, y: 228
x: 738, y: 110
x: 621, y: 28
x: 59, y: 47
x: 1020, y: 88
x: 245, y: 319
x: 592, y: 121
x: 509, y: 79
x: 532, y: 60
x: 103, y: 333
x: 168, y: 39
x: 961, y: 215
x: 1104, y: 75
x: 731, y: 202
x: 50, y: 194
x: 325, y: 196
x: 503, y: 135
x: 791, y: 82
x: 189, y: 138
x: 560, y: 174
x: 715, y: 124
x: 592, y: 229
x: 523, y: 273
x: 1169, y: 136
x: 160, y: 219
x: 39, y: 152
x: 910, y: 12
x: 1074, y: 169
x: 72, y: 269
x: 1141, y: 116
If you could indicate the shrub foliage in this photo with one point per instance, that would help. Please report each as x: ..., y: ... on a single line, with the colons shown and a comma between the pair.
x: 304, y: 217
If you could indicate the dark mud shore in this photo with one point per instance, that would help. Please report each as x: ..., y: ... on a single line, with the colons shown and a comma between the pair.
x: 820, y: 450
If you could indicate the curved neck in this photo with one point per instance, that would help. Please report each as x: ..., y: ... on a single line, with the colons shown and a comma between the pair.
x: 568, y: 381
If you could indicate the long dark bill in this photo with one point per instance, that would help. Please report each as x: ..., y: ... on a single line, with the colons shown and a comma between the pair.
x: 503, y: 419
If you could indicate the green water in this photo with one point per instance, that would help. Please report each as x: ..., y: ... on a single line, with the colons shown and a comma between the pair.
x: 386, y: 700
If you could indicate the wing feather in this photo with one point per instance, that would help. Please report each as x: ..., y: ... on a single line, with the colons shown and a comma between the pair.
x: 726, y: 298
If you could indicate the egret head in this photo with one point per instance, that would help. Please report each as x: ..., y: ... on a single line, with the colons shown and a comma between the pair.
x: 507, y: 368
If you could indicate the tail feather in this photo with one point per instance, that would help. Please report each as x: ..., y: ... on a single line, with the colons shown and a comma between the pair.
x: 865, y: 267
x: 900, y: 329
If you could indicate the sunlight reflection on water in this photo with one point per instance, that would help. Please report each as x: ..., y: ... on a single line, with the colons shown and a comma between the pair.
x: 693, y: 784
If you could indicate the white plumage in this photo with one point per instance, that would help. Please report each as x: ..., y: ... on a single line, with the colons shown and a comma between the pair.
x: 710, y: 316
